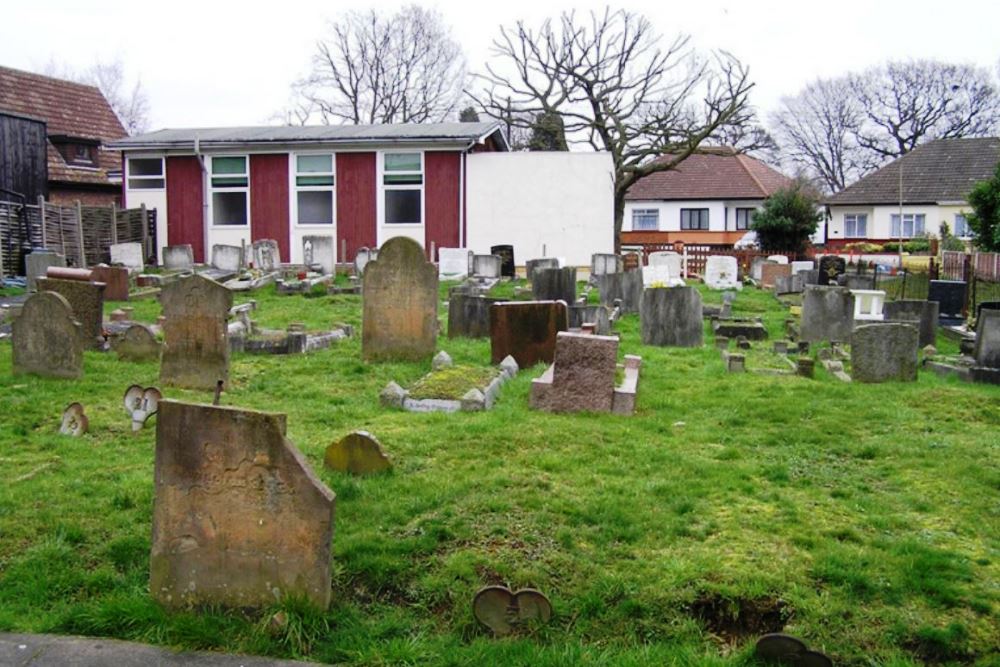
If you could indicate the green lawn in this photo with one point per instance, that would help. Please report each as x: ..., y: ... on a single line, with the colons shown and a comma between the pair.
x: 863, y: 519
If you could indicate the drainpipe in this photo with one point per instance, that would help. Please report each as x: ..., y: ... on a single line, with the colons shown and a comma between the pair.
x: 204, y: 199
x: 461, y: 203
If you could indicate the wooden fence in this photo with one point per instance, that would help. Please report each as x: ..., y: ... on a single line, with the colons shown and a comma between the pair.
x: 696, y: 255
x: 83, y: 234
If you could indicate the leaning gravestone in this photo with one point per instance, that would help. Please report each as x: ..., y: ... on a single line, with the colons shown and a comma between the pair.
x: 239, y: 519
x: 884, y: 352
x: 227, y: 258
x: 400, y: 301
x: 489, y: 267
x: 454, y: 263
x: 38, y: 262
x: 671, y: 317
x: 469, y: 315
x: 266, y: 255
x: 604, y: 263
x: 827, y: 314
x: 178, y: 257
x: 625, y: 287
x: 533, y: 265
x: 987, y: 351
x: 320, y: 250
x: 950, y: 295
x: 46, y: 338
x: 555, y: 284
x: 86, y: 298
x: 923, y: 313
x: 506, y: 254
x: 138, y: 343
x: 358, y: 453
x: 128, y: 255
x: 526, y: 330
x: 196, y: 345
x: 583, y: 375
x: 985, y: 305
x: 831, y: 267
x: 722, y: 272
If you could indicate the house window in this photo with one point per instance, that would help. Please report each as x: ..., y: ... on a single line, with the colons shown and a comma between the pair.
x: 645, y: 220
x: 694, y: 218
x: 856, y: 225
x: 145, y: 173
x: 913, y: 225
x: 230, y: 182
x: 403, y: 188
x: 744, y: 216
x: 314, y: 180
x: 962, y: 230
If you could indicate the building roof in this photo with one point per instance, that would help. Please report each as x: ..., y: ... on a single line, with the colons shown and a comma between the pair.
x: 939, y: 171
x: 214, y: 137
x: 715, y: 173
x: 69, y: 109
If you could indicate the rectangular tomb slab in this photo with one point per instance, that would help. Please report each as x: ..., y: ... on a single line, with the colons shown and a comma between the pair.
x: 239, y: 519
x: 526, y: 330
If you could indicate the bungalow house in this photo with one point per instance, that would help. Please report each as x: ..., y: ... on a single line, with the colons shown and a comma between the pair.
x: 931, y: 182
x: 79, y: 123
x: 710, y: 198
x: 448, y: 185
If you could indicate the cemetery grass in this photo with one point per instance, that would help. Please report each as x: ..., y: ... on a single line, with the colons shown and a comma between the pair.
x: 863, y: 519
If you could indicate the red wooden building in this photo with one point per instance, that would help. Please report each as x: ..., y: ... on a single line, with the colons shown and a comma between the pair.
x: 359, y: 184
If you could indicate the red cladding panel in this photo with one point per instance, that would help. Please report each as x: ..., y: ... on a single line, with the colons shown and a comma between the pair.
x: 269, y: 200
x: 185, y: 215
x: 356, y: 191
x: 442, y: 178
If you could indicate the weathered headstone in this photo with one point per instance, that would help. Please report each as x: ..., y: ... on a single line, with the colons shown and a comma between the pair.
x: 526, y: 330
x: 671, y: 317
x: 532, y: 265
x: 86, y: 298
x: 756, y: 266
x: 778, y: 259
x: 115, y: 279
x: 487, y: 266
x: 227, y: 257
x: 671, y: 260
x: 830, y: 268
x: 923, y: 313
x: 454, y: 263
x: 138, y: 343
x: 129, y: 255
x: 400, y: 301
x: 320, y: 249
x: 987, y: 352
x: 858, y: 281
x: 631, y: 261
x: 722, y: 272
x: 985, y: 305
x: 599, y: 316
x: 603, y: 263
x: 140, y: 404
x: 583, y: 376
x: 196, y: 345
x: 358, y: 453
x: 178, y: 257
x: 469, y: 315
x: 771, y: 271
x: 884, y: 352
x: 266, y: 255
x: 626, y: 287
x: 74, y: 420
x: 555, y: 284
x: 950, y: 295
x: 46, y: 338
x: 239, y: 519
x: 792, y: 284
x: 38, y: 262
x: 803, y: 265
x: 827, y: 314
x: 508, y: 269
x: 361, y: 259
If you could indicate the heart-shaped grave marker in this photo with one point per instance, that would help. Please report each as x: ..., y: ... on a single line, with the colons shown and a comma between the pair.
x: 502, y: 611
x: 74, y: 422
x: 787, y: 650
x: 140, y: 404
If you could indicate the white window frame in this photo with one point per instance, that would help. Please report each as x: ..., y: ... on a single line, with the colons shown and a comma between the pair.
x: 965, y: 222
x: 294, y: 189
x: 212, y: 190
x: 162, y: 177
x: 855, y: 218
x: 646, y: 212
x: 382, y: 187
x: 750, y: 210
x: 914, y: 219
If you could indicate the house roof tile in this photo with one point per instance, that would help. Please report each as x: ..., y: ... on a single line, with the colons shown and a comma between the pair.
x: 720, y: 173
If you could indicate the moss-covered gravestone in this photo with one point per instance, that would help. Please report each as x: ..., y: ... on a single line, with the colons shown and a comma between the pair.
x: 196, y: 345
x: 47, y: 338
x: 400, y: 301
x: 358, y: 453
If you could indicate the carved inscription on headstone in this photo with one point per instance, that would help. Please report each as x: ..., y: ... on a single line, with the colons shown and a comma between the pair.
x: 46, y: 338
x: 196, y: 345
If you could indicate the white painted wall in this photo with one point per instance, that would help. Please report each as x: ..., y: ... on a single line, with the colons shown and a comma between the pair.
x: 152, y: 199
x: 560, y: 201
x: 880, y: 218
x: 721, y: 214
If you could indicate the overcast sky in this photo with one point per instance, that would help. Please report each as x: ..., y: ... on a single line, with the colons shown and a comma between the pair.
x: 211, y: 63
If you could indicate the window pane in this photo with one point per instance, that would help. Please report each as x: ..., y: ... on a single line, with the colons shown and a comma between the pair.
x: 145, y: 167
x: 314, y: 180
x: 645, y: 219
x: 317, y: 164
x: 145, y: 183
x: 918, y: 227
x: 402, y: 206
x: 229, y: 182
x: 895, y: 226
x: 403, y: 179
x: 229, y: 208
x: 402, y: 162
x: 315, y: 208
x: 229, y: 165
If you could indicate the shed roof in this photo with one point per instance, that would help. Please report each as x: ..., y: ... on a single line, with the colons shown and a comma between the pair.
x: 715, y: 173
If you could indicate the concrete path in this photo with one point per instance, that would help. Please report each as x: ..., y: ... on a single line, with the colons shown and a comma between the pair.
x: 54, y: 651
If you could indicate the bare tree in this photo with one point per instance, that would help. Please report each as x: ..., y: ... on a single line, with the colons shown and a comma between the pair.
x: 128, y: 100
x: 404, y: 68
x: 616, y: 90
x: 907, y: 103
